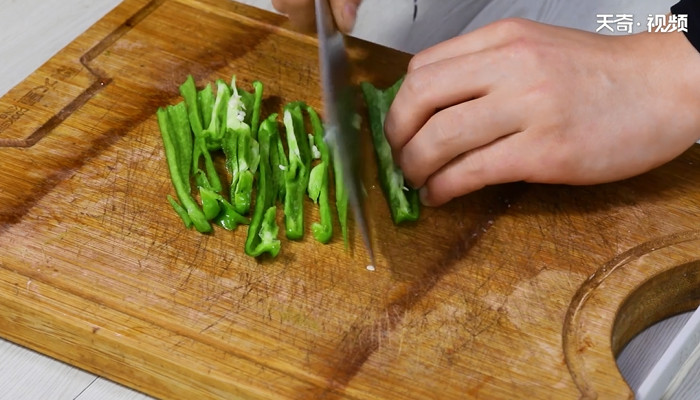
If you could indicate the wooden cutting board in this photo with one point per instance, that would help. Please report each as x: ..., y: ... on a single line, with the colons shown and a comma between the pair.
x: 516, y: 291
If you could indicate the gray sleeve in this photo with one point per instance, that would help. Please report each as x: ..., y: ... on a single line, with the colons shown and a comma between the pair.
x: 570, y: 13
x: 390, y: 22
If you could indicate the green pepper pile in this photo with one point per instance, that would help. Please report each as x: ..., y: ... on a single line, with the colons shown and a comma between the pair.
x: 263, y: 172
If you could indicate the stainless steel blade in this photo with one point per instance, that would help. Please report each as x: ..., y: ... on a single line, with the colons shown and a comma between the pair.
x: 341, y: 134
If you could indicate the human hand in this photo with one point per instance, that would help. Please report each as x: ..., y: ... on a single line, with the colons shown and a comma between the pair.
x: 518, y: 100
x: 302, y: 16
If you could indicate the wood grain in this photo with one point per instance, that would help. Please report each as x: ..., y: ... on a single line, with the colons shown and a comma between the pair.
x: 513, y: 291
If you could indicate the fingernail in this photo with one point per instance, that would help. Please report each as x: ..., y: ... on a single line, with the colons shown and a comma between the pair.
x: 423, y: 195
x: 349, y: 16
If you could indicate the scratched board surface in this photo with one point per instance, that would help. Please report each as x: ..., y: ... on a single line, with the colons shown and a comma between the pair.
x: 513, y: 291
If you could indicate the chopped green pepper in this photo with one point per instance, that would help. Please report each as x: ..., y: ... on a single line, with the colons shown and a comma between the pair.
x: 252, y: 104
x: 280, y: 163
x: 263, y: 229
x: 318, y: 182
x: 229, y: 218
x: 201, y: 141
x: 210, y: 203
x: 212, y: 177
x: 180, y: 211
x: 403, y: 202
x: 180, y: 181
x: 243, y: 191
x: 188, y: 90
x: 341, y: 201
x: 205, y: 98
x: 221, y: 211
x: 229, y: 145
x: 241, y: 148
x: 182, y: 139
x: 216, y: 128
x: 297, y: 174
x: 229, y: 119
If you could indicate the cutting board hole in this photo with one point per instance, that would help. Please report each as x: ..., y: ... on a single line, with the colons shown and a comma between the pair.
x: 675, y: 291
x: 638, y: 357
x: 651, y: 316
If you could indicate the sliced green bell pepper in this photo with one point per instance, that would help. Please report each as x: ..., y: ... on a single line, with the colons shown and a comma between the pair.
x: 201, y: 141
x: 403, y: 202
x: 297, y: 173
x: 241, y: 148
x: 319, y: 182
x: 180, y: 181
x: 205, y: 99
x: 263, y: 229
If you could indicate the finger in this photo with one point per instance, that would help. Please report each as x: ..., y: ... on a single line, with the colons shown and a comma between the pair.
x: 436, y: 86
x: 457, y: 130
x: 503, y: 161
x: 303, y: 17
x: 492, y: 35
x: 300, y: 13
x: 345, y: 13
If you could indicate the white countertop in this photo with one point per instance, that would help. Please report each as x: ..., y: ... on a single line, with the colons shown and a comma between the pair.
x: 34, y: 30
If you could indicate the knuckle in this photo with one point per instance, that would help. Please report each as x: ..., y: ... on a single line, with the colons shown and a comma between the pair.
x: 414, y: 85
x: 443, y: 129
x: 420, y: 84
x: 413, y: 165
x: 445, y: 186
x: 395, y: 131
x: 448, y: 181
x: 400, y: 124
x: 391, y: 130
x: 525, y: 47
x: 472, y: 163
x: 436, y: 194
x: 416, y: 62
x: 405, y: 163
x: 526, y: 52
x: 512, y: 27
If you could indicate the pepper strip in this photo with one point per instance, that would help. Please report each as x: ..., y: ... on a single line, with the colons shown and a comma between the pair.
x: 280, y: 164
x: 297, y: 174
x: 182, y: 138
x: 205, y: 98
x: 180, y: 211
x: 403, y: 202
x: 216, y: 128
x: 253, y: 104
x: 242, y: 148
x: 180, y: 182
x: 229, y: 218
x: 189, y: 92
x: 318, y: 182
x: 263, y: 229
x: 341, y: 201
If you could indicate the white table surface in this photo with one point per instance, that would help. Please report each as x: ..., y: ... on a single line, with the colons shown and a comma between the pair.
x: 31, y: 31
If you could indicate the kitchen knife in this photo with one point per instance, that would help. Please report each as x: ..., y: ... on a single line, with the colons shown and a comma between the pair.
x: 341, y: 132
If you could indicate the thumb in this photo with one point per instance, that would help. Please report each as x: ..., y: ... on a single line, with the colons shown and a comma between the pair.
x: 345, y: 13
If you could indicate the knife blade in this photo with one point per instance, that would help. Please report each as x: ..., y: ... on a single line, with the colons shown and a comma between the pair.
x: 341, y: 134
